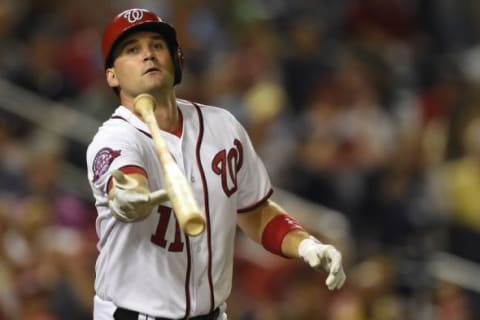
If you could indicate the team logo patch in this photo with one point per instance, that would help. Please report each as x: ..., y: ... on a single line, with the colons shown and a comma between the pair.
x: 102, y: 161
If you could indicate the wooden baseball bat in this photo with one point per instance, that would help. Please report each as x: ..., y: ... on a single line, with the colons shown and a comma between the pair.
x: 189, y: 216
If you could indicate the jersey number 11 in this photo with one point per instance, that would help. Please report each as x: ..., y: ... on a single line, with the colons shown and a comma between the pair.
x: 159, y: 237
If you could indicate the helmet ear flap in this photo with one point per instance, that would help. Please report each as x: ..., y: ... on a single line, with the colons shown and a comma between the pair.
x: 178, y: 60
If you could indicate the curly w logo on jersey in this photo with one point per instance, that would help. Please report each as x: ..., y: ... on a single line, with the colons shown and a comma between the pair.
x: 103, y: 160
x: 227, y: 164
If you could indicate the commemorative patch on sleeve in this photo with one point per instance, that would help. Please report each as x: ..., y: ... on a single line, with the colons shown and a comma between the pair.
x: 103, y: 160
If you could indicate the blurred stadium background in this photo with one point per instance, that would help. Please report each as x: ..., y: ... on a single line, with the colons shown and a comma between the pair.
x: 366, y: 113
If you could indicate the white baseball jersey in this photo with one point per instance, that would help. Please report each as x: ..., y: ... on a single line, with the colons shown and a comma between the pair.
x: 151, y: 266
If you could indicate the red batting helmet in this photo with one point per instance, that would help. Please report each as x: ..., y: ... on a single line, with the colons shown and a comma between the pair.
x: 133, y: 20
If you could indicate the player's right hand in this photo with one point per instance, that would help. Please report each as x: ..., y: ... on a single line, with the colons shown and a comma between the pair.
x: 325, y: 257
x: 131, y: 202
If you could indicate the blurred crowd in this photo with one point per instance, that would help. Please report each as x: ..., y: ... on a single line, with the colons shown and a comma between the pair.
x: 368, y: 107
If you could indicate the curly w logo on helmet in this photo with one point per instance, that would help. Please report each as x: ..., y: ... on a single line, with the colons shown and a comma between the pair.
x: 134, y: 15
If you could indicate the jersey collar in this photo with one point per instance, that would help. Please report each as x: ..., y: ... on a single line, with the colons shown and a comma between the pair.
x: 130, y: 117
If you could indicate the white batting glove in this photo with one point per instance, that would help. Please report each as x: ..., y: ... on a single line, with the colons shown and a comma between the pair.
x: 131, y: 203
x: 325, y: 257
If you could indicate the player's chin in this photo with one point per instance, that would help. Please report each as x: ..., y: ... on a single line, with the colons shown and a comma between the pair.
x: 157, y: 81
x: 152, y: 88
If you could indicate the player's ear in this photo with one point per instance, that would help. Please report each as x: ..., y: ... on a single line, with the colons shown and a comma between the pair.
x: 111, y: 77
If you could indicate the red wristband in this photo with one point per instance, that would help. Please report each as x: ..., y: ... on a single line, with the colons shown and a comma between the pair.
x: 276, y: 230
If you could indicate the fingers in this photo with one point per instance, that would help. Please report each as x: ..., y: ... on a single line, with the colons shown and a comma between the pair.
x: 121, y: 212
x: 319, y: 256
x: 123, y: 181
x: 336, y: 277
x: 335, y: 280
x: 312, y: 259
x: 118, y: 176
x: 157, y: 197
x: 334, y: 258
x: 129, y: 206
x: 131, y: 197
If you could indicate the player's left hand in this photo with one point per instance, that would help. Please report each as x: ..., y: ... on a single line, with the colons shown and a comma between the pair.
x: 325, y: 257
x: 130, y: 202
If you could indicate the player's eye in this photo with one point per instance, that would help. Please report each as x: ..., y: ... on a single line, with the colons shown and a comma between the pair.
x: 158, y: 45
x: 131, y: 49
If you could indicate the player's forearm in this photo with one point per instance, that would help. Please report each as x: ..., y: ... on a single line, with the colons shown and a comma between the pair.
x: 283, y: 235
x: 266, y: 225
x: 253, y: 222
x: 291, y: 242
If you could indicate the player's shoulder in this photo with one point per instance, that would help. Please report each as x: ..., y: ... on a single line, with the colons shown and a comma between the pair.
x: 111, y: 127
x: 209, y: 112
x: 119, y: 121
x: 114, y: 128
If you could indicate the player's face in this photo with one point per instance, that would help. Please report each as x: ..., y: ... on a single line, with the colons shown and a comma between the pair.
x: 142, y: 64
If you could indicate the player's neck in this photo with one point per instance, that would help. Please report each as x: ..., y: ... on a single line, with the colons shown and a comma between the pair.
x: 167, y: 113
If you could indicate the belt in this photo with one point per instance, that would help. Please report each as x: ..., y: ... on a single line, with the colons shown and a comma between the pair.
x: 125, y: 314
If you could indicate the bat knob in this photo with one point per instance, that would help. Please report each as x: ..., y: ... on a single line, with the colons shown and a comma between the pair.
x: 143, y: 104
x: 195, y: 226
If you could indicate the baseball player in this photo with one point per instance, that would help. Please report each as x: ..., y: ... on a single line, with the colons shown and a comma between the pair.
x: 147, y: 267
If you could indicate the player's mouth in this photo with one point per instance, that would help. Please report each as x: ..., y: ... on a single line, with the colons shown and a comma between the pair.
x: 151, y: 70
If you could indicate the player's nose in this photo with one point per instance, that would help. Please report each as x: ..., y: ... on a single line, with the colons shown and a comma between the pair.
x: 148, y: 53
